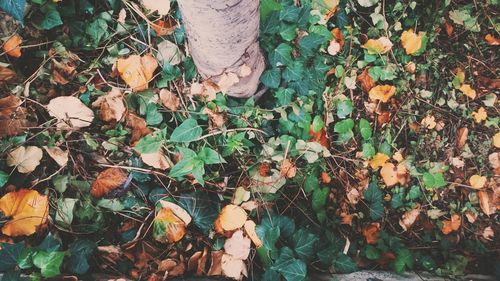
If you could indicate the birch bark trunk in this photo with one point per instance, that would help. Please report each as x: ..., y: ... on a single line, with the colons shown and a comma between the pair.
x: 222, y: 36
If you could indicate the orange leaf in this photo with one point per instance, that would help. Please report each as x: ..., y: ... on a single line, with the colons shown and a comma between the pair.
x: 477, y: 181
x: 230, y: 218
x: 393, y: 174
x: 167, y: 227
x: 480, y: 115
x: 372, y: 232
x: 11, y: 46
x: 451, y: 225
x: 164, y: 27
x: 382, y: 92
x: 137, y: 71
x: 27, y: 208
x: 449, y: 28
x: 378, y: 160
x: 484, y: 202
x: 138, y: 126
x: 409, y: 217
x: 108, y: 180
x: 319, y: 136
x: 366, y: 81
x: 491, y: 40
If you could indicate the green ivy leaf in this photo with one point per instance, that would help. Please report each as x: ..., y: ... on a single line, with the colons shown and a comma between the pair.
x: 280, y: 56
x: 51, y: 19
x: 9, y: 255
x: 15, y: 8
x: 271, y: 78
x: 203, y: 208
x: 4, y: 178
x: 365, y: 129
x: 188, y: 131
x: 49, y: 263
x: 404, y: 259
x: 80, y: 251
x: 305, y: 243
x: 344, y: 108
x: 210, y: 156
x: 344, y: 264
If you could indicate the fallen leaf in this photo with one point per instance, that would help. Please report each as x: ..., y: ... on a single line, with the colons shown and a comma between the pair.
x: 60, y: 156
x: 156, y: 160
x: 217, y: 120
x: 429, y: 122
x: 411, y: 41
x: 63, y: 71
x: 122, y: 15
x: 451, y: 225
x: 167, y: 227
x: 371, y: 233
x: 207, y: 90
x: 227, y: 80
x: 169, y: 53
x: 378, y: 160
x: 11, y: 46
x: 288, y: 169
x: 409, y: 217
x: 233, y: 267
x: 230, y: 218
x: 7, y: 74
x: 488, y: 233
x: 494, y: 159
x: 353, y: 196
x: 382, y: 92
x: 333, y: 47
x: 241, y: 195
x: 169, y: 99
x: 392, y: 174
x: 12, y: 116
x: 112, y: 107
x: 480, y: 115
x: 491, y: 40
x: 337, y: 34
x: 138, y: 126
x: 410, y: 67
x: 27, y: 210
x: 107, y: 181
x: 237, y: 245
x: 477, y: 181
x: 378, y: 46
x: 216, y: 266
x: 448, y: 28
x: 244, y: 70
x: 468, y: 91
x: 177, y: 210
x: 484, y: 203
x: 461, y: 137
x: 164, y: 27
x: 496, y: 140
x: 137, y: 71
x: 160, y: 6
x: 70, y: 112
x: 325, y: 178
x: 366, y: 81
x: 250, y: 231
x: 319, y: 137
x: 471, y: 217
x: 25, y: 159
x: 110, y: 254
x: 457, y: 162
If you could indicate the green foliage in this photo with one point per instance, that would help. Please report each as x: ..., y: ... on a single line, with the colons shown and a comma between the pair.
x: 15, y: 8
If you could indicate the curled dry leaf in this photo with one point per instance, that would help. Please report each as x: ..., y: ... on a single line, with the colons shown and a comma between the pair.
x: 164, y: 27
x: 111, y: 179
x: 448, y: 28
x: 167, y: 227
x: 227, y: 80
x: 409, y: 217
x: 137, y: 71
x: 233, y: 267
x: 7, y: 74
x: 372, y: 232
x: 60, y: 156
x: 237, y: 245
x: 27, y: 209
x: 230, y: 218
x: 70, y: 112
x: 244, y: 70
x: 393, y: 175
x: 484, y: 203
x: 138, y: 126
x: 491, y: 40
x: 216, y: 119
x: 461, y: 137
x: 169, y: 53
x: 12, y: 46
x: 288, y: 169
x: 216, y: 266
x: 411, y: 41
x: 488, y: 233
x: 177, y: 210
x: 468, y: 91
x: 250, y: 231
x: 12, y: 117
x: 156, y: 160
x: 25, y: 159
x: 112, y: 107
x: 325, y: 178
x: 477, y: 181
x: 494, y: 159
x: 429, y: 122
x: 63, y: 71
x: 169, y: 99
x: 333, y: 47
x: 382, y: 92
x: 160, y: 6
x: 240, y: 195
x: 365, y: 80
x: 451, y: 225
x: 378, y: 160
x: 480, y: 115
x: 207, y: 90
x: 378, y: 46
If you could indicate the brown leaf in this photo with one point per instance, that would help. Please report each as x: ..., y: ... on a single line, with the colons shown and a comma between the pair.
x: 366, y: 81
x: 112, y: 107
x: 216, y: 266
x: 60, y: 156
x: 392, y: 174
x: 409, y: 217
x: 156, y: 160
x: 337, y: 34
x: 11, y: 46
x: 288, y: 169
x: 107, y: 181
x: 461, y: 137
x: 111, y: 253
x: 6, y: 74
x: 491, y: 40
x: 138, y: 126
x: 63, y: 71
x: 451, y: 225
x: 216, y: 119
x: 169, y: 99
x: 12, y: 117
x: 319, y: 136
x: 449, y: 28
x: 484, y: 202
x: 164, y: 27
x: 237, y: 245
x: 372, y: 232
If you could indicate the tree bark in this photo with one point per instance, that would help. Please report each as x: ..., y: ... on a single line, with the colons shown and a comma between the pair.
x: 222, y: 36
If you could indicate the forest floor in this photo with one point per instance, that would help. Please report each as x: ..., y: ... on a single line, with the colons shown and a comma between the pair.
x: 376, y: 145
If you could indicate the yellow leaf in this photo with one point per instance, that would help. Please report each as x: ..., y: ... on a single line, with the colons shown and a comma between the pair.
x: 26, y: 159
x: 468, y: 91
x: 429, y: 122
x: 137, y: 71
x: 27, y: 208
x: 477, y: 181
x: 382, y: 92
x: 230, y: 218
x: 496, y: 140
x: 392, y: 174
x: 250, y: 231
x: 11, y: 46
x: 167, y: 227
x: 479, y: 115
x: 411, y: 41
x: 378, y: 160
x: 177, y: 210
x: 378, y: 46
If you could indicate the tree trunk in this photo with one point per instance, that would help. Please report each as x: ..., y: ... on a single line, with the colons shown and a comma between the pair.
x: 222, y: 37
